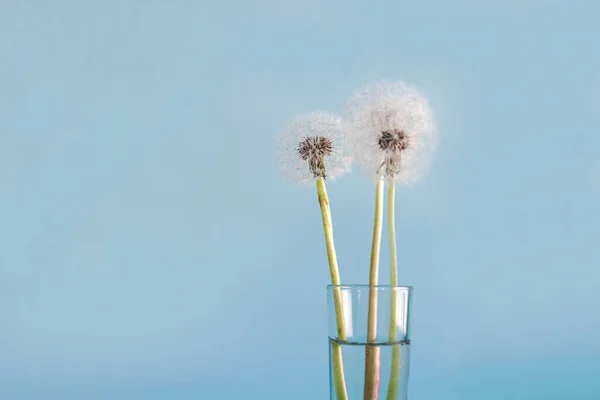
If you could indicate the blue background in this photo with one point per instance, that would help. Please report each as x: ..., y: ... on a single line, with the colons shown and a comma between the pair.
x: 150, y: 250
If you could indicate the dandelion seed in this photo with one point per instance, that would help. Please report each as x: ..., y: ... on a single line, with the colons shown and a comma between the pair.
x: 314, y: 147
x: 392, y: 132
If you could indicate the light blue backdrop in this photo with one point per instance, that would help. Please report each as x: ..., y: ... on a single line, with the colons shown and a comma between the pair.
x: 150, y: 249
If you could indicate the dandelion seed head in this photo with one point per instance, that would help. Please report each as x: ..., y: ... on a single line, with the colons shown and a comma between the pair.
x: 392, y: 132
x: 313, y: 146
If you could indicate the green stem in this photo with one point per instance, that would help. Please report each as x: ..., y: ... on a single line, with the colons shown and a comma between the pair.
x: 372, y: 356
x: 338, y: 365
x: 394, y: 382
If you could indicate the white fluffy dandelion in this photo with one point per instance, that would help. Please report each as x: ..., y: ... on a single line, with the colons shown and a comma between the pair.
x: 392, y: 132
x: 392, y: 137
x: 314, y: 146
x: 313, y: 149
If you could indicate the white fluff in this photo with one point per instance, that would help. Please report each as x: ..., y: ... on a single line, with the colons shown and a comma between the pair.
x: 317, y: 124
x: 391, y: 107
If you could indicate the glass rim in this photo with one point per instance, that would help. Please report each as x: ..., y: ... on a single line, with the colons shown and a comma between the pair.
x: 360, y: 286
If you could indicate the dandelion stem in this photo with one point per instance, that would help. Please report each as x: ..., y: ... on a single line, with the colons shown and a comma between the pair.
x: 338, y: 365
x: 372, y: 356
x: 394, y: 382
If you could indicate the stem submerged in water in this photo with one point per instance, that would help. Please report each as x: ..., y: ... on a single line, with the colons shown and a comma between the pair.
x: 338, y: 365
x: 394, y: 382
x: 372, y: 354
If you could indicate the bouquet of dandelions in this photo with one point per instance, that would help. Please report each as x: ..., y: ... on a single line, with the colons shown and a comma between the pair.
x: 388, y: 130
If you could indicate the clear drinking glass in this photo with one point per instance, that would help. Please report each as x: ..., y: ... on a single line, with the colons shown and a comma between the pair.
x: 369, y: 341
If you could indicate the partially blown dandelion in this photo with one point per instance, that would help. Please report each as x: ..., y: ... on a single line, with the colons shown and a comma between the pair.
x: 312, y: 149
x: 392, y: 136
